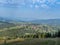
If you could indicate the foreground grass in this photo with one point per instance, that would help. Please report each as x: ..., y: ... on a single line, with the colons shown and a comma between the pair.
x: 45, y: 41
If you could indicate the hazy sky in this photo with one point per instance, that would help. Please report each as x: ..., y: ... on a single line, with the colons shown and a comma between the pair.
x: 30, y: 9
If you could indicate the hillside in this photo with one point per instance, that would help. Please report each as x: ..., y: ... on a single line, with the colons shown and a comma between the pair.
x: 6, y: 24
x: 14, y: 28
x: 28, y: 29
x: 47, y: 21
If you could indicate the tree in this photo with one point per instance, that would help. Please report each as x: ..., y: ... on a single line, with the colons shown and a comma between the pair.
x: 58, y: 33
x: 48, y: 35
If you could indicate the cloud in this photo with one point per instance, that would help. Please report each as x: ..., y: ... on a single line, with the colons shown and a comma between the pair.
x: 31, y: 6
x: 44, y: 6
x: 51, y: 1
x: 42, y: 1
x: 34, y: 1
x: 31, y: 3
x: 37, y: 6
x: 39, y: 1
x: 57, y: 2
x: 3, y: 1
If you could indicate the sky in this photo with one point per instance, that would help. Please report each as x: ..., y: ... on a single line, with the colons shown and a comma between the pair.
x: 30, y: 9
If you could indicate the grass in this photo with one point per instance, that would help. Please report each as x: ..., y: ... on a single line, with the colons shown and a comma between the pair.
x: 45, y: 41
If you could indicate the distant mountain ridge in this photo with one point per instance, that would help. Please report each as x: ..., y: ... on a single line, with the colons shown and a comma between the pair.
x: 47, y: 21
x: 38, y: 21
